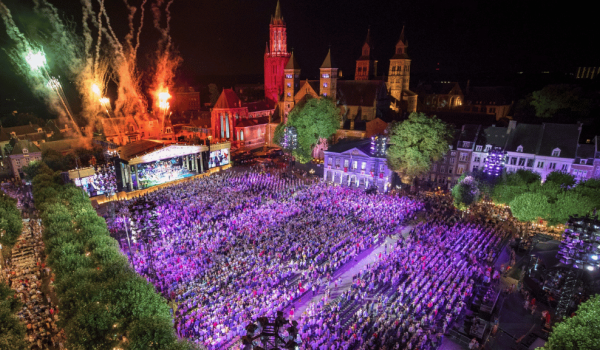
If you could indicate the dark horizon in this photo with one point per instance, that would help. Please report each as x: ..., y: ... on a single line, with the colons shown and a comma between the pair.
x: 469, y: 39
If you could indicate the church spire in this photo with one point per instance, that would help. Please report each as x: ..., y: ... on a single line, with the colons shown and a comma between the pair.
x: 277, y: 18
x: 328, y: 63
x: 402, y: 36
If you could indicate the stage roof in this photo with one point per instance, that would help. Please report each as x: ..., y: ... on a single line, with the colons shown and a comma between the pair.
x: 146, y: 151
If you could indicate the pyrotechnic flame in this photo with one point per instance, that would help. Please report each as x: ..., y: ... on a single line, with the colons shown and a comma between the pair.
x: 36, y: 60
x: 53, y: 83
x: 105, y: 100
x: 96, y: 90
x: 162, y: 100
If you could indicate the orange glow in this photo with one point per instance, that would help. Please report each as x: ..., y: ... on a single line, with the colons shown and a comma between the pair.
x: 96, y: 90
x: 162, y: 100
x: 105, y: 100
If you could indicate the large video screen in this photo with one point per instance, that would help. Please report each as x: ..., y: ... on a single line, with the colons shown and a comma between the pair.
x: 218, y: 158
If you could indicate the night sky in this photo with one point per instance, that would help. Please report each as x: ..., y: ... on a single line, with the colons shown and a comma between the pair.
x: 468, y: 38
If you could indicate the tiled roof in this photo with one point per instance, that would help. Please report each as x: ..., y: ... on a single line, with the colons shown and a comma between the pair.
x: 328, y: 63
x: 18, y: 130
x: 585, y: 151
x: 493, y: 135
x: 257, y: 106
x: 562, y: 136
x: 527, y: 135
x: 227, y: 100
x: 292, y: 63
x: 24, y: 144
x: 360, y: 92
x: 252, y: 122
x: 436, y: 88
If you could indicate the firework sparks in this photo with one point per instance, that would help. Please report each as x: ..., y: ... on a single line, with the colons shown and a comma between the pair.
x: 36, y: 60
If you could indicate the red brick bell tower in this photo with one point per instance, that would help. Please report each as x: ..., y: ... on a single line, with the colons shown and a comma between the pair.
x: 276, y: 58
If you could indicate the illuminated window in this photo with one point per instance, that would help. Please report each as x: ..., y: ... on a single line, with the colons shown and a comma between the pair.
x: 324, y: 94
x: 325, y: 85
x: 289, y: 94
x: 288, y: 76
x: 540, y: 164
x: 556, y: 152
x: 289, y: 85
x: 325, y: 76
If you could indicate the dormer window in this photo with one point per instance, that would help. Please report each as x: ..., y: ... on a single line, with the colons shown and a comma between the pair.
x: 556, y: 152
x: 520, y: 149
x: 488, y: 148
x: 478, y: 148
x: 25, y: 151
x: 583, y: 161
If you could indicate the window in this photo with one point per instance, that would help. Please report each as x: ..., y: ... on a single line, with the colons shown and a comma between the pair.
x: 288, y: 76
x: 475, y: 167
x: 565, y: 167
x: 442, y: 169
x: 492, y: 110
x: 445, y: 159
x: 476, y: 159
x: 551, y: 166
x: 18, y: 162
x: 329, y: 161
x: 452, y: 160
x: 363, y: 166
x: 337, y: 162
x: 453, y: 153
x: 520, y: 149
x: 289, y: 95
x: 466, y: 144
x: 464, y: 156
x: 25, y: 151
x: 289, y: 85
x: 582, y: 161
x: 597, y: 173
x: 479, y: 148
x: 521, y: 161
x: 435, y: 167
x: 540, y: 164
x: 324, y: 85
x: 354, y: 165
x: 513, y: 161
x: 460, y: 170
x: 346, y: 162
x: 530, y: 163
x: 556, y: 152
x: 325, y: 76
x: 488, y: 148
x: 325, y: 94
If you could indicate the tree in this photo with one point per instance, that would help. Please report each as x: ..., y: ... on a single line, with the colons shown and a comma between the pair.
x: 213, y: 90
x: 560, y: 100
x: 466, y: 192
x: 12, y: 331
x: 415, y: 143
x: 278, y: 134
x: 10, y: 221
x: 317, y: 118
x: 530, y: 207
x: 580, y: 332
x: 513, y: 184
x: 569, y: 203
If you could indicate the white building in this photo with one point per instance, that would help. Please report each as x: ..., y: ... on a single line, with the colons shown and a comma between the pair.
x: 351, y: 163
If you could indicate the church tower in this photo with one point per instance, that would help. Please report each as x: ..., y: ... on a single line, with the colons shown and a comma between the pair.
x: 328, y: 81
x: 292, y: 83
x: 276, y: 57
x: 399, y: 73
x: 366, y: 67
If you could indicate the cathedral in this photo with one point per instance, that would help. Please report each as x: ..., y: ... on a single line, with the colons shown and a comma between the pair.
x: 363, y: 99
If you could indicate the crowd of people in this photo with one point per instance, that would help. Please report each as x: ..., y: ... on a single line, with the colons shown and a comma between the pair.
x: 104, y: 181
x: 229, y: 248
x: 410, y: 296
x: 26, y: 273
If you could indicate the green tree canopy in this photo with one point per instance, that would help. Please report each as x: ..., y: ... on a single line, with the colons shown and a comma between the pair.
x: 580, y: 332
x: 561, y: 99
x: 530, y: 206
x: 12, y: 331
x: 415, y: 143
x: 466, y: 192
x: 10, y: 221
x: 317, y: 118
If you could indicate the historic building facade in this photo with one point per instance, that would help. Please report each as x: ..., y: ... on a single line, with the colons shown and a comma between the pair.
x: 276, y: 58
